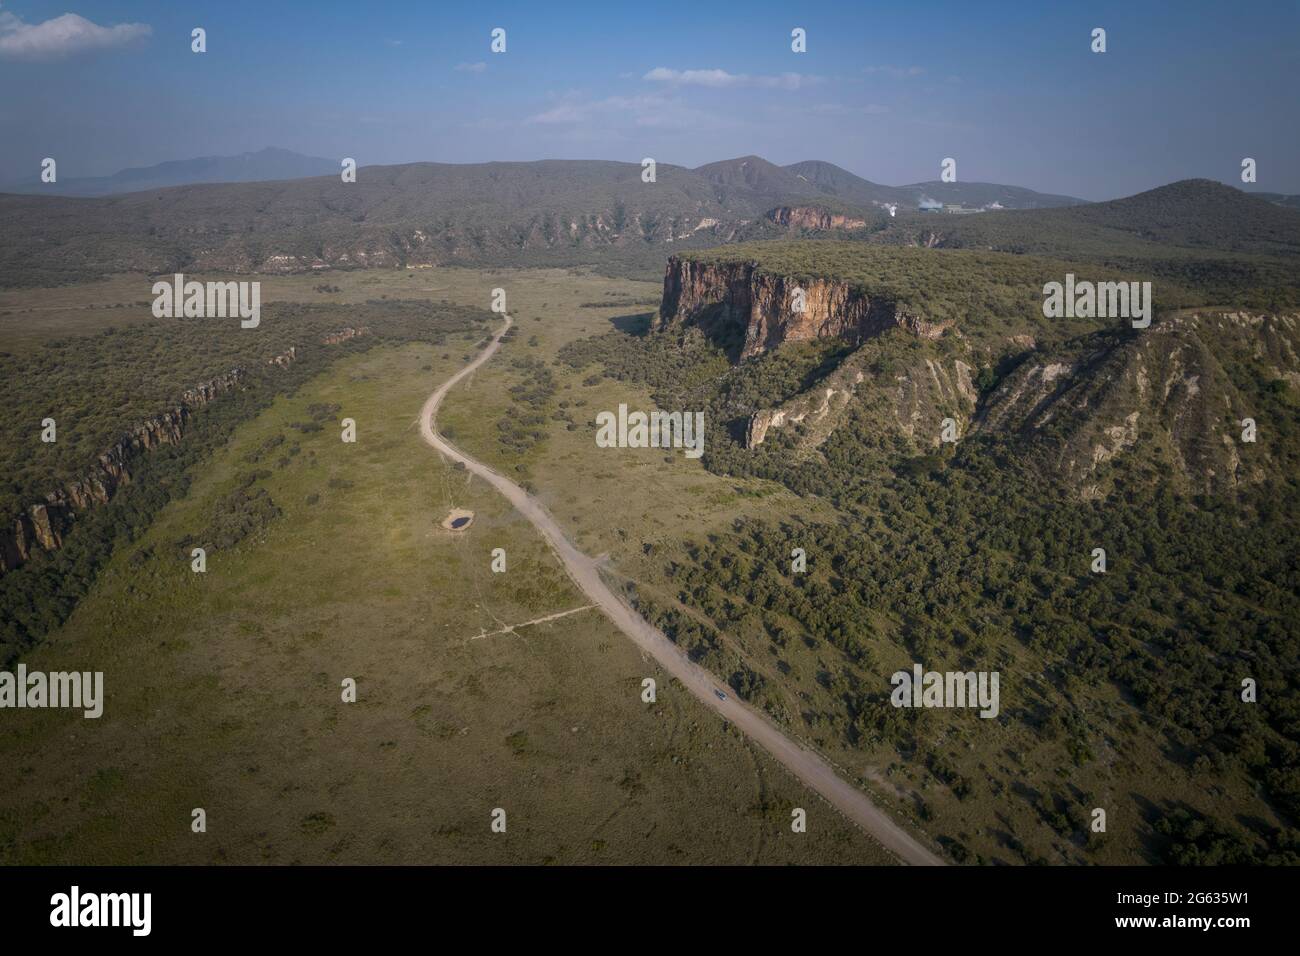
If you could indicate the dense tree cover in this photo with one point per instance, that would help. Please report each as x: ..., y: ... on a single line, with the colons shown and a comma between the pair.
x: 979, y: 558
x: 549, y: 213
x: 40, y: 595
x: 243, y: 512
x: 978, y: 552
x: 1194, y: 214
x: 1194, y: 840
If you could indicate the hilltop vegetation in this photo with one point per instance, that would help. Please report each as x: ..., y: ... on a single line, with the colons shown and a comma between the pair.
x: 990, y: 293
x: 1227, y: 246
x: 554, y: 212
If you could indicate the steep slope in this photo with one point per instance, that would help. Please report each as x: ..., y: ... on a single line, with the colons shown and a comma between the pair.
x: 752, y: 177
x: 1177, y: 397
x: 731, y: 300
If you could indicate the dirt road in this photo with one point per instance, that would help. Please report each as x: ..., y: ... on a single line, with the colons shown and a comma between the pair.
x: 815, y: 772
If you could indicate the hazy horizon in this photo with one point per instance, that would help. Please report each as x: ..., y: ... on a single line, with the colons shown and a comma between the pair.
x: 27, y: 182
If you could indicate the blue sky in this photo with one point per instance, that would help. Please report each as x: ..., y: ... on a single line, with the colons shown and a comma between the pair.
x: 887, y: 90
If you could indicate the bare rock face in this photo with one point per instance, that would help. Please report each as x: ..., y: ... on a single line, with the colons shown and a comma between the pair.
x: 813, y: 217
x: 759, y: 423
x: 712, y: 294
x: 342, y: 335
x: 818, y: 410
x: 47, y: 535
x: 46, y: 523
x: 285, y: 358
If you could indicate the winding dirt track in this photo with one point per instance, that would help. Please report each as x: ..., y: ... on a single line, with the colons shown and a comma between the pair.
x: 810, y: 768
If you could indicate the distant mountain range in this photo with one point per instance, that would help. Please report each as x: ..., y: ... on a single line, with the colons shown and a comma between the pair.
x: 829, y: 179
x: 266, y: 164
x: 1197, y: 216
x: 750, y: 175
x: 571, y: 212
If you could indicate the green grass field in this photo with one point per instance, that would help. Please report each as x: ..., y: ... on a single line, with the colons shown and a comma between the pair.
x: 224, y: 689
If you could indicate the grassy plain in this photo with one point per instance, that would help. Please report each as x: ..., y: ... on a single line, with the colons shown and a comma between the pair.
x: 224, y: 688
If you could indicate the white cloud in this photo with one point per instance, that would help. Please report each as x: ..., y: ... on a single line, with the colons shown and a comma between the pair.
x: 721, y: 79
x: 63, y: 36
x: 651, y: 111
x: 897, y: 72
x: 471, y: 67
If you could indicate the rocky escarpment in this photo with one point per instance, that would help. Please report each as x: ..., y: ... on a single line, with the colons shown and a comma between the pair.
x: 1167, y: 394
x: 813, y: 217
x: 715, y: 295
x: 45, y: 523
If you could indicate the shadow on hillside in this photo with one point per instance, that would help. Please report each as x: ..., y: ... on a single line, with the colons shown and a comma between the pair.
x: 638, y: 324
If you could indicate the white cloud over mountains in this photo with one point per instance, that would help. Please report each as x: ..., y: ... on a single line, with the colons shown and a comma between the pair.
x: 63, y: 36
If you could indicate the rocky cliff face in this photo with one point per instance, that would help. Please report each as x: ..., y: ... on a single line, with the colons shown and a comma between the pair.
x: 44, y: 524
x: 813, y: 217
x: 714, y: 295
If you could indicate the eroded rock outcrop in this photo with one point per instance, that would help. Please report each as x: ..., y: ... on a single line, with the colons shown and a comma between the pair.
x: 817, y: 410
x: 716, y: 294
x: 45, y: 523
x: 342, y: 335
x: 285, y: 358
x: 1165, y: 393
x: 813, y: 217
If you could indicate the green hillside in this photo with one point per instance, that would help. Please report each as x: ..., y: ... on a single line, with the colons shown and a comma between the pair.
x: 552, y: 212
